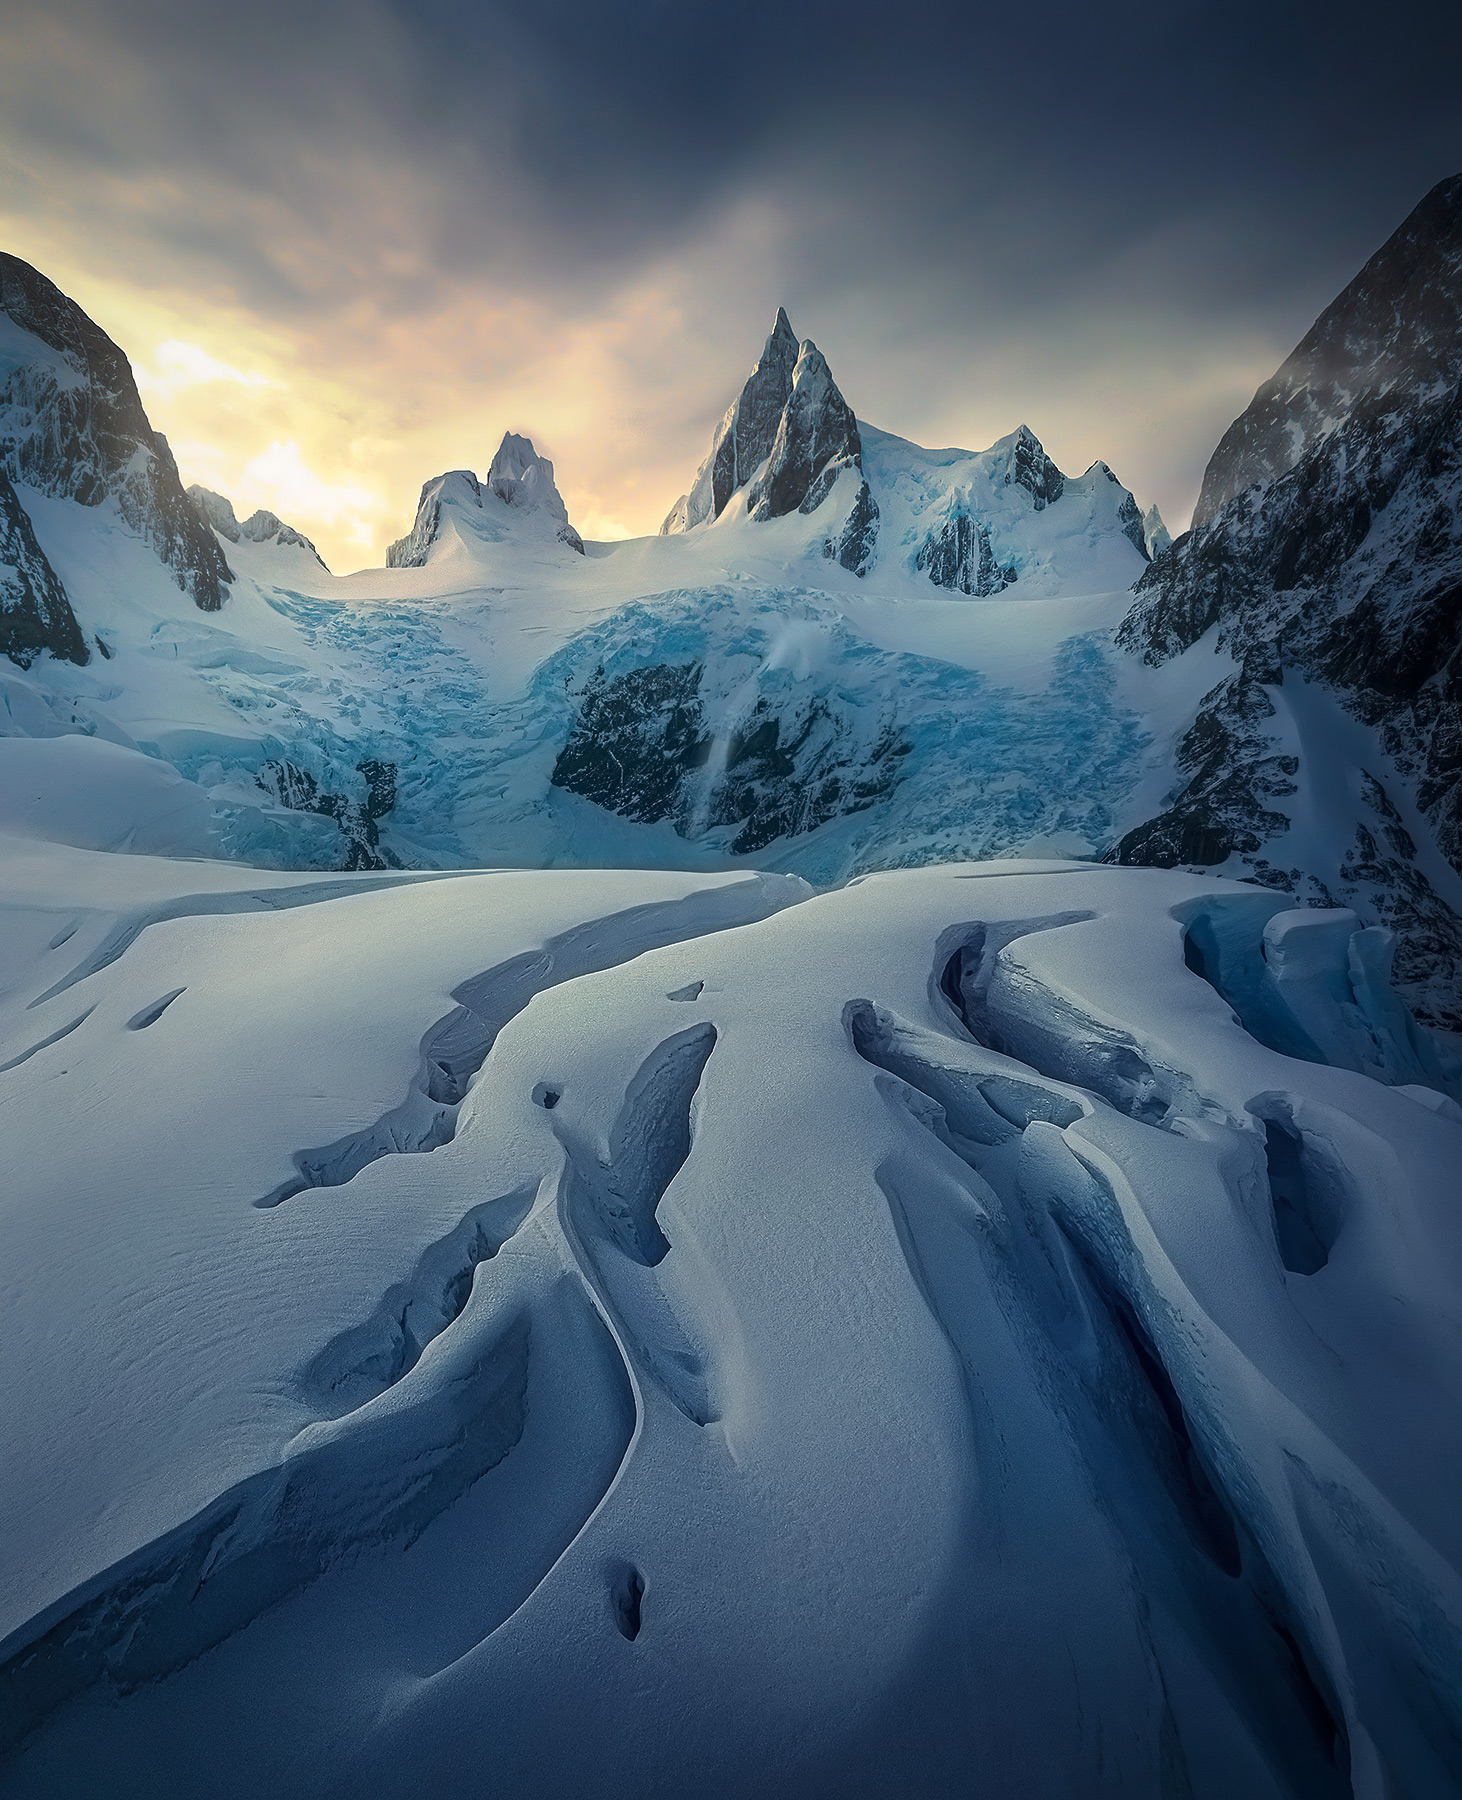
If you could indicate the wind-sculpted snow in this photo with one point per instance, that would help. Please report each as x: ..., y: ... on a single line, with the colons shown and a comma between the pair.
x: 923, y: 1338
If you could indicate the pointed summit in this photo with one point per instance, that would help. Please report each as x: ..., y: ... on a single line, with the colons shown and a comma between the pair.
x: 743, y: 439
x: 1389, y: 343
x: 520, y: 477
x: 790, y: 430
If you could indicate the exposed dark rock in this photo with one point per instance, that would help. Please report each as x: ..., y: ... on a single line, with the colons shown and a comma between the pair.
x: 744, y: 438
x: 636, y: 737
x: 1232, y: 771
x: 1329, y: 532
x: 72, y: 425
x: 35, y: 612
x: 298, y: 789
x: 380, y: 780
x: 788, y: 773
x: 1033, y: 470
x: 791, y: 433
x: 959, y: 556
x: 641, y: 747
x: 260, y: 527
x: 853, y: 546
x: 1372, y: 356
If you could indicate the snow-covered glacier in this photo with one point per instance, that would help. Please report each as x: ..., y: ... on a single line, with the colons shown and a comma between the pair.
x: 626, y: 1333
x: 613, y: 1181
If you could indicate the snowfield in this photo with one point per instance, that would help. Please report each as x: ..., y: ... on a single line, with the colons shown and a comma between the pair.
x: 612, y: 1184
x: 626, y: 1333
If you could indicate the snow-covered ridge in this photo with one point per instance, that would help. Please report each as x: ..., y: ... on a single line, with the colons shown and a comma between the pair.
x: 789, y: 436
x: 261, y: 527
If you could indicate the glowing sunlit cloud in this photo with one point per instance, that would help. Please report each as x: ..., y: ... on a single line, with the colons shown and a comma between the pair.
x: 177, y: 365
x: 281, y: 480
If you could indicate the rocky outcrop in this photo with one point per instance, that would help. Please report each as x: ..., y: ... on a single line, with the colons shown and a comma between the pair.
x: 260, y: 527
x: 519, y: 490
x: 1327, y: 543
x: 791, y: 434
x: 641, y: 747
x: 72, y: 426
x: 295, y: 787
x: 958, y: 556
x: 35, y: 612
x: 1033, y: 470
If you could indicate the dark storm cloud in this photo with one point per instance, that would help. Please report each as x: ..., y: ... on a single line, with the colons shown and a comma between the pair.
x: 1112, y: 220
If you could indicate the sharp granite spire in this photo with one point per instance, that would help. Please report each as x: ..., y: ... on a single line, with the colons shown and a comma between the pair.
x: 792, y: 433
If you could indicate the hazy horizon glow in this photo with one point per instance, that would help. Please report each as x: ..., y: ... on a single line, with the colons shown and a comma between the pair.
x: 348, y: 250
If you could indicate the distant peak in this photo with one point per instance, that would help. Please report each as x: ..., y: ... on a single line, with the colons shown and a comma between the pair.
x: 519, y: 478
x: 261, y: 527
x: 782, y: 329
x: 515, y: 457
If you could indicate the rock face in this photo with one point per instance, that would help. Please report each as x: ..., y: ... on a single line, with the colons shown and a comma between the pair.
x: 959, y: 556
x: 260, y: 527
x: 1033, y: 470
x: 641, y: 746
x: 744, y: 438
x: 296, y: 788
x: 35, y: 613
x: 519, y: 489
x: 1327, y: 545
x: 790, y: 433
x: 72, y: 426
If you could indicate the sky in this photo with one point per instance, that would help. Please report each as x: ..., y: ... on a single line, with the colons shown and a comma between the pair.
x: 348, y: 244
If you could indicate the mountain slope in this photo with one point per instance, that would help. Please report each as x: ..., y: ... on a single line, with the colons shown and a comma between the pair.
x: 1325, y: 560
x: 72, y: 426
x: 35, y: 613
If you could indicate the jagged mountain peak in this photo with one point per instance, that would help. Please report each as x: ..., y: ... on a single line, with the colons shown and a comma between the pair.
x: 790, y: 435
x: 72, y: 426
x: 743, y: 439
x: 261, y: 527
x: 519, y: 492
x: 1395, y: 330
x: 520, y: 477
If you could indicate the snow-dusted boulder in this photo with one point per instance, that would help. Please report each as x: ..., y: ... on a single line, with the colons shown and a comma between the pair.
x: 72, y: 426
